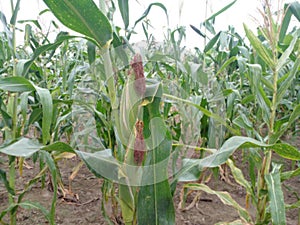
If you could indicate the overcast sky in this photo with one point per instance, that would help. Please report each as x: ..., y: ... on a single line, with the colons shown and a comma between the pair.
x: 181, y: 12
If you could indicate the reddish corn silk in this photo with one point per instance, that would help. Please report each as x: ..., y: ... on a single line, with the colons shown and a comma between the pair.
x: 138, y: 69
x: 139, y: 143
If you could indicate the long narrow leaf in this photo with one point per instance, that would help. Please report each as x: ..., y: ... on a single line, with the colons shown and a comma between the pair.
x: 259, y: 47
x: 293, y: 117
x: 155, y: 204
x: 40, y: 50
x: 212, y: 42
x: 16, y: 84
x: 13, y: 19
x: 228, y: 148
x: 295, y: 9
x: 228, y: 62
x: 239, y: 177
x: 53, y: 169
x: 276, y: 198
x: 284, y: 57
x: 288, y: 81
x: 46, y: 101
x: 145, y: 14
x: 24, y: 147
x: 221, y: 11
x: 124, y: 9
x: 224, y: 197
x: 4, y: 180
x: 83, y: 16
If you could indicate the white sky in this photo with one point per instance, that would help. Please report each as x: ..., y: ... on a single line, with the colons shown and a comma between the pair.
x: 192, y: 12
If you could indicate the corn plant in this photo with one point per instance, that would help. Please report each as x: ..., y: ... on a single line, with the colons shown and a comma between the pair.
x: 269, y: 82
x: 118, y: 111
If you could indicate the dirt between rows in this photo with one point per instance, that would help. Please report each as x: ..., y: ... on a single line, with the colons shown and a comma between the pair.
x: 84, y: 207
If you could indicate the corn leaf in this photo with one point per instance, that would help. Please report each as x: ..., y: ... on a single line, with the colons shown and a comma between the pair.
x: 295, y: 9
x: 26, y: 205
x: 289, y: 174
x: 288, y: 81
x: 286, y: 54
x: 276, y: 198
x: 226, y: 64
x: 24, y: 147
x: 4, y: 180
x: 83, y: 16
x: 293, y: 117
x: 155, y: 204
x: 58, y: 147
x: 239, y: 177
x: 101, y: 163
x: 224, y: 197
x: 212, y: 42
x: 258, y: 47
x: 212, y: 17
x: 40, y: 50
x: 13, y: 19
x: 145, y: 14
x: 228, y: 148
x: 16, y: 84
x: 287, y: 151
x: 124, y: 9
x: 53, y: 170
x: 47, y: 105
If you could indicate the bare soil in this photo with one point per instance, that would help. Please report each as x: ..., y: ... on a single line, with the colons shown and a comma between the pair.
x: 84, y: 207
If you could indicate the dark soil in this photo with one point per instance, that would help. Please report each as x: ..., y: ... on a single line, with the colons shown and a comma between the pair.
x: 84, y: 206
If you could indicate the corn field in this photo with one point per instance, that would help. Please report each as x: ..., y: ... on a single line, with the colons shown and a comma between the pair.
x: 156, y: 125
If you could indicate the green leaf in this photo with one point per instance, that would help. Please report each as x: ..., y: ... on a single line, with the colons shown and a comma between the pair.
x: 91, y: 48
x: 145, y: 14
x: 224, y: 197
x: 40, y: 50
x: 212, y: 17
x: 287, y: 151
x: 259, y: 47
x: 4, y: 180
x: 295, y: 9
x: 285, y: 22
x: 197, y: 31
x: 289, y: 174
x: 59, y: 147
x: 228, y: 148
x: 155, y: 203
x: 206, y: 112
x: 283, y: 60
x: 124, y: 9
x: 46, y: 101
x: 53, y: 169
x: 293, y: 117
x: 276, y: 198
x: 16, y: 84
x: 102, y: 164
x: 288, y: 81
x: 255, y: 77
x: 21, y: 84
x: 227, y: 63
x: 212, y: 42
x: 26, y: 205
x: 239, y: 177
x: 13, y: 19
x: 24, y: 147
x: 83, y: 16
x: 35, y: 205
x: 296, y: 205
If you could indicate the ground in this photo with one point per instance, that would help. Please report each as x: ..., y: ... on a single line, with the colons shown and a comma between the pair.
x: 85, y: 207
